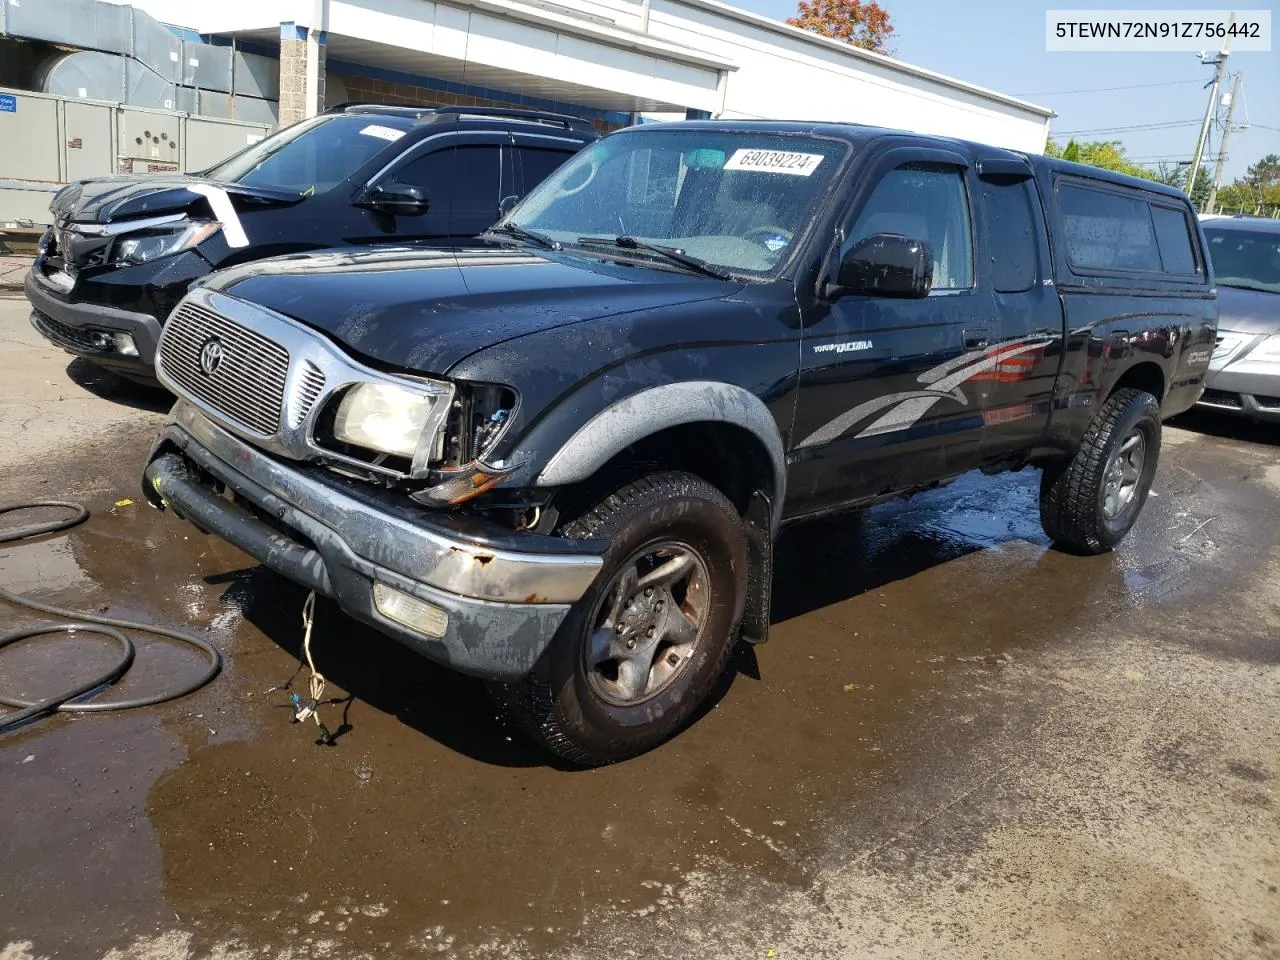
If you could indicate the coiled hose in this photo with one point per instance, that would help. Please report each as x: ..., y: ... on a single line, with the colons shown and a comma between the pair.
x: 79, y: 622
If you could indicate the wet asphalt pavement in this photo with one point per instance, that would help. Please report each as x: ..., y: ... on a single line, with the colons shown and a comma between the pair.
x: 957, y: 742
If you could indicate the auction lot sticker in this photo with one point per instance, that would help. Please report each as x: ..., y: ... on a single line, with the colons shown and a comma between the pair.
x: 775, y: 161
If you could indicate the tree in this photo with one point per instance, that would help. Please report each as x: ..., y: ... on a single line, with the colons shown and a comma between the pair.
x: 1108, y: 154
x: 864, y: 25
x: 1265, y: 174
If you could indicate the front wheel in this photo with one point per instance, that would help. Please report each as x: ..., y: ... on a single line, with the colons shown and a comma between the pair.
x: 645, y: 645
x: 1089, y: 503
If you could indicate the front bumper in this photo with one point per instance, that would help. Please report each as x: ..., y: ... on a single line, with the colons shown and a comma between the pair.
x: 504, y: 594
x: 1246, y: 388
x: 71, y: 325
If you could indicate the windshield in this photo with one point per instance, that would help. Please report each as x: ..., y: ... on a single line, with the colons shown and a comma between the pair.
x: 313, y: 156
x: 736, y: 201
x: 1245, y: 259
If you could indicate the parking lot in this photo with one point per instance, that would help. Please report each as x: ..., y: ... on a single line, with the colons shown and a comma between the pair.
x: 957, y: 742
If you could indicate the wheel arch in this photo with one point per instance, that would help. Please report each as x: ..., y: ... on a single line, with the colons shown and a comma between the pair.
x: 1144, y: 375
x: 706, y: 427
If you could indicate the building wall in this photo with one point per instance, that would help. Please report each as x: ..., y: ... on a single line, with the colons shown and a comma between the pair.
x: 787, y: 75
x: 774, y: 72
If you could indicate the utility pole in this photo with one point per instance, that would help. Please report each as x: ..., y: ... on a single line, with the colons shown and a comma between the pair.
x: 1210, y: 110
x: 1222, y: 147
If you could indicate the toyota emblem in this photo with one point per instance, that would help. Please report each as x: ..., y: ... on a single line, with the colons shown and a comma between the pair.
x: 211, y: 356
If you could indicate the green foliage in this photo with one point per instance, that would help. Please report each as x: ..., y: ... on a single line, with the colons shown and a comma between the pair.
x: 1107, y: 154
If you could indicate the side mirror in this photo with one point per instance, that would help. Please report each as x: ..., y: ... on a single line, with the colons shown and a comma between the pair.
x: 397, y: 200
x: 885, y: 265
x: 507, y: 205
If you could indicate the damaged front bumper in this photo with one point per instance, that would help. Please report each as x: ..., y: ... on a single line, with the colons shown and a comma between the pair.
x: 484, y: 601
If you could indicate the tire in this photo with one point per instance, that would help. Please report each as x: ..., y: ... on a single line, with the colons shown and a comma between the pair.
x: 573, y: 706
x: 1076, y: 505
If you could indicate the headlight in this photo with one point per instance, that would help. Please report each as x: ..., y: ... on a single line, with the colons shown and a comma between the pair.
x: 386, y: 418
x: 154, y: 244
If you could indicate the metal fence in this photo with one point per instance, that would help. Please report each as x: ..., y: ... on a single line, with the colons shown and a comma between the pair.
x: 47, y: 141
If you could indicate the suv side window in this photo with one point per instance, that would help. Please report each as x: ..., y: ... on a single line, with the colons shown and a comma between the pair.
x: 477, y: 186
x: 434, y: 173
x: 1011, y: 235
x: 1107, y: 231
x: 924, y: 202
x: 538, y: 163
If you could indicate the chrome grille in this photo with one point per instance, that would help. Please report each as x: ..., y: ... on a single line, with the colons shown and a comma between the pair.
x: 306, y: 389
x: 247, y: 384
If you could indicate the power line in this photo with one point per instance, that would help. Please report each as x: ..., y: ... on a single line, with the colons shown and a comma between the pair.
x: 1135, y: 86
x: 1162, y: 125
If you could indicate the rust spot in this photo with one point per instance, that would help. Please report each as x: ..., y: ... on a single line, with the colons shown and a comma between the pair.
x: 484, y: 559
x: 534, y: 598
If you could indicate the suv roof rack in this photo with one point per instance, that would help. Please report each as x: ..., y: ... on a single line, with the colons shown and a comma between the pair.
x: 562, y: 120
x: 533, y: 116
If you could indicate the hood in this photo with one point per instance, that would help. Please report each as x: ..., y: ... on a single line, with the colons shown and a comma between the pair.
x: 110, y: 199
x: 426, y: 310
x: 1248, y: 311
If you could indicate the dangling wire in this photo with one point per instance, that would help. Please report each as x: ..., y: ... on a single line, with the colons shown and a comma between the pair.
x: 308, y: 618
x: 302, y: 709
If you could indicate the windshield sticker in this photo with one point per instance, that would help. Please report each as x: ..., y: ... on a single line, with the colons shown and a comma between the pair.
x: 389, y: 134
x: 775, y: 161
x: 775, y: 242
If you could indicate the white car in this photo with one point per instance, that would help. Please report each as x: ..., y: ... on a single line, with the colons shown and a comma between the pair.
x: 1244, y: 374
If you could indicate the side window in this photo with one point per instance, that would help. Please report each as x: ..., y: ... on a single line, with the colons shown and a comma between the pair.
x: 538, y: 163
x: 924, y: 202
x: 1173, y: 237
x: 1011, y: 234
x: 1107, y: 231
x: 434, y: 173
x: 477, y: 185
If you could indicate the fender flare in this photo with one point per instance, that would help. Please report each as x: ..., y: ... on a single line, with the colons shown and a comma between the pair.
x: 642, y: 414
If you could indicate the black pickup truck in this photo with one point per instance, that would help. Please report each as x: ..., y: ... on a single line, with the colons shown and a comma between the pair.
x: 559, y: 460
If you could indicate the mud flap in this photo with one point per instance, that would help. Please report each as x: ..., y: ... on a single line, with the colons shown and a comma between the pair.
x: 755, y: 617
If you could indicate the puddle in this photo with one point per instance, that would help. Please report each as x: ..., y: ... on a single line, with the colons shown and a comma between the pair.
x: 429, y: 824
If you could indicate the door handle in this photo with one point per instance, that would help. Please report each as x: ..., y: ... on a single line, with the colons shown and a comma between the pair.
x: 976, y: 338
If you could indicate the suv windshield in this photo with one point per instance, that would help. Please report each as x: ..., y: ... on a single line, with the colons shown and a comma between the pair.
x: 313, y: 156
x: 736, y: 201
x: 1245, y: 259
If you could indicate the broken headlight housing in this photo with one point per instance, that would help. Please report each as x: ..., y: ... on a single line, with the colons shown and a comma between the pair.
x: 479, y: 416
x: 147, y: 245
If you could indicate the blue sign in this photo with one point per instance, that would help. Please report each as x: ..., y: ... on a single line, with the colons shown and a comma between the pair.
x: 8, y: 103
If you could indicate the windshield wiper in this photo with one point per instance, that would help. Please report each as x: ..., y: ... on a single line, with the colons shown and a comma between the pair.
x: 520, y: 233
x: 671, y: 253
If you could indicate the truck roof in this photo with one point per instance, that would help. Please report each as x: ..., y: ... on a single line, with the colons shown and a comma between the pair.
x: 858, y: 133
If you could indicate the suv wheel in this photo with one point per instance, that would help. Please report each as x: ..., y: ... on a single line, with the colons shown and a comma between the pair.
x: 644, y: 646
x: 1091, y: 501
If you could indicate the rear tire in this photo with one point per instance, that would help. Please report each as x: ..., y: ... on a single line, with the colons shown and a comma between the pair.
x: 628, y: 669
x: 1089, y: 503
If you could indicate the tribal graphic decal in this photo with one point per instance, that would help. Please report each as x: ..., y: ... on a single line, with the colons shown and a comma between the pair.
x: 1003, y: 363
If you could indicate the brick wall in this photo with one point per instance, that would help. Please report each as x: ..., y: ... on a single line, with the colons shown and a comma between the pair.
x: 367, y: 90
x: 293, y: 81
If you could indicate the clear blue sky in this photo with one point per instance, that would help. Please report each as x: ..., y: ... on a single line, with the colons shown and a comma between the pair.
x: 1000, y: 45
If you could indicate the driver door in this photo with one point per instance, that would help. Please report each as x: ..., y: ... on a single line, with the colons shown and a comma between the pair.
x: 885, y: 400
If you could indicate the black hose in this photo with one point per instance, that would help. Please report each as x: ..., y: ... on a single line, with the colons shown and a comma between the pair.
x: 67, y: 702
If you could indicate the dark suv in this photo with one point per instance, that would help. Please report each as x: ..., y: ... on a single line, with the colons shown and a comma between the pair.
x: 124, y: 250
x: 561, y: 465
